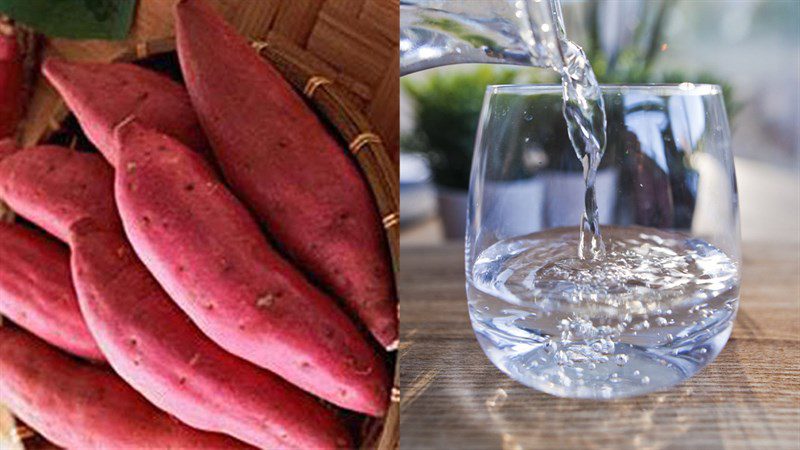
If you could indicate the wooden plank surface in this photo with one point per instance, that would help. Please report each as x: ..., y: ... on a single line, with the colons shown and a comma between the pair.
x: 749, y: 397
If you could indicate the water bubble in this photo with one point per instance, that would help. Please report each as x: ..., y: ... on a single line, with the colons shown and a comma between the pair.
x: 645, y: 380
x: 607, y: 346
x: 528, y: 117
x: 636, y: 373
x: 621, y: 359
x: 660, y: 321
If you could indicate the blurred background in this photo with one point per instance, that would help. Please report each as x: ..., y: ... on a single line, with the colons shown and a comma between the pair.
x: 750, y: 47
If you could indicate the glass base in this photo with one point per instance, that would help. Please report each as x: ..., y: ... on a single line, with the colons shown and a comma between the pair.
x: 632, y: 370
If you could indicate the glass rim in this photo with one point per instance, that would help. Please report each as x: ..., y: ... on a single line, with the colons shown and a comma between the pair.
x: 685, y: 88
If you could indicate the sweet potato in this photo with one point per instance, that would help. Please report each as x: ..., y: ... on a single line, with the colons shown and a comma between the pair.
x: 150, y: 342
x: 209, y: 254
x: 36, y: 290
x: 81, y: 406
x: 55, y: 187
x: 7, y: 147
x: 102, y: 95
x: 12, y: 86
x: 285, y: 166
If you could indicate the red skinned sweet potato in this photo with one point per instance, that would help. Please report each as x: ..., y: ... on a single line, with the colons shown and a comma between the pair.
x: 208, y: 253
x: 7, y: 147
x: 82, y: 181
x: 285, y: 166
x: 36, y: 290
x: 77, y: 405
x: 102, y: 95
x: 12, y: 87
x: 151, y: 343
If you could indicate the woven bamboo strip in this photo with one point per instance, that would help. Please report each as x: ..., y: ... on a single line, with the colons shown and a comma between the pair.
x: 351, y: 51
x: 296, y: 20
x: 384, y: 18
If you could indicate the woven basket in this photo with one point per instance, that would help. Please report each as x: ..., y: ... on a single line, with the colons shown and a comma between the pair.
x: 334, y: 52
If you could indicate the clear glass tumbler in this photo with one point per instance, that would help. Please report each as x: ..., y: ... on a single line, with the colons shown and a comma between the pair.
x: 661, y: 304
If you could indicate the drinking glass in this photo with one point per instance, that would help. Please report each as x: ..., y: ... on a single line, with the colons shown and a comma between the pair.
x: 661, y: 304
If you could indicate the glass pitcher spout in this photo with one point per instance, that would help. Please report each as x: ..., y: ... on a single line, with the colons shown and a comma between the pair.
x: 441, y: 32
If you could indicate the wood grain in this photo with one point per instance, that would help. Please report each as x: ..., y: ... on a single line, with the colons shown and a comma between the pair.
x: 453, y: 397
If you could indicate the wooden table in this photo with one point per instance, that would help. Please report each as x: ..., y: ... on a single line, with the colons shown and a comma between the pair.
x: 748, y: 398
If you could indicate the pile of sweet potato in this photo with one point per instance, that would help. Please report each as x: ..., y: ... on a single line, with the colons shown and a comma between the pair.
x: 219, y: 261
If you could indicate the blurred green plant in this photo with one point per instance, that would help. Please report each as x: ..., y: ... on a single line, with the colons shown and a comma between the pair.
x: 447, y: 109
x: 448, y: 105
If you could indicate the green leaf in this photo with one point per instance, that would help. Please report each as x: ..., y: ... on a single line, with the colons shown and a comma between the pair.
x: 74, y: 19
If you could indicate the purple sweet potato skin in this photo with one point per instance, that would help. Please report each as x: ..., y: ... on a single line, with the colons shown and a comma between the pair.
x: 147, y: 339
x: 285, y: 166
x: 103, y: 95
x: 208, y: 253
x: 154, y: 346
x: 55, y: 187
x: 81, y: 406
x: 36, y: 290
